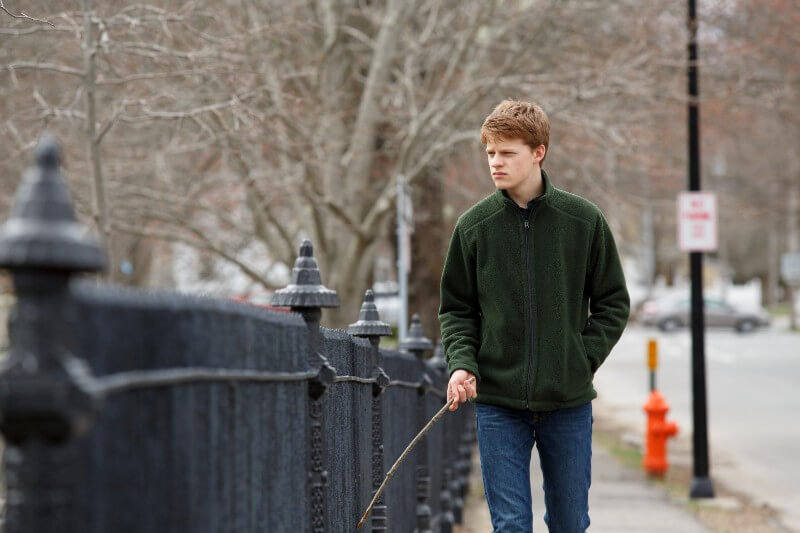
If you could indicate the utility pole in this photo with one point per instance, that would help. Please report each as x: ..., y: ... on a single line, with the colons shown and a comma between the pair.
x: 404, y: 230
x: 701, y: 486
x: 793, y: 246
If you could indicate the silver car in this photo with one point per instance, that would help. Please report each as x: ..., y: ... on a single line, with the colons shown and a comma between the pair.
x: 671, y: 315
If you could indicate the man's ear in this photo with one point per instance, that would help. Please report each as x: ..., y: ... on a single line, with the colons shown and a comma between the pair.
x: 539, y: 152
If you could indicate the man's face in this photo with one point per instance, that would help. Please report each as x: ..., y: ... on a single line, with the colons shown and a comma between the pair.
x: 512, y: 162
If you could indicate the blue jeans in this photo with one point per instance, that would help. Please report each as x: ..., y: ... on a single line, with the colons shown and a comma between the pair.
x: 564, y: 440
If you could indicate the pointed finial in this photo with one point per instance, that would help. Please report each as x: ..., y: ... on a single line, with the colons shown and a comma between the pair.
x: 438, y: 360
x: 416, y: 342
x: 42, y: 231
x: 48, y: 152
x: 369, y: 323
x: 306, y: 289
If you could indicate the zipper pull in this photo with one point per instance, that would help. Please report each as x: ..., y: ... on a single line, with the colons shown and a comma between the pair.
x: 526, y: 224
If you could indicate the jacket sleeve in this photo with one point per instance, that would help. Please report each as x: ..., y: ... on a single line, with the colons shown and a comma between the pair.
x: 459, y: 310
x: 609, y: 302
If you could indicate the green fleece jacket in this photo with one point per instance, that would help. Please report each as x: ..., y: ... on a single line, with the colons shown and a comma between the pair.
x: 516, y: 296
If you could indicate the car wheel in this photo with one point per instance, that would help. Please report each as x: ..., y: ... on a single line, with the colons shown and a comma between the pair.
x: 669, y: 324
x: 745, y: 326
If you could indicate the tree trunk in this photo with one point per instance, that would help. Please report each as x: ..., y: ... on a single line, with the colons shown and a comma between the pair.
x: 428, y: 248
x: 99, y: 210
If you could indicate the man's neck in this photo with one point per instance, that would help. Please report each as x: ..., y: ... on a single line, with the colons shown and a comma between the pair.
x: 527, y: 190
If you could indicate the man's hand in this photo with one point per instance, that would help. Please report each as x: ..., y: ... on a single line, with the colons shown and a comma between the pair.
x: 461, y: 387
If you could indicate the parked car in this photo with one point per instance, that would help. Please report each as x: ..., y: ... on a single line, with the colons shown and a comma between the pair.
x: 670, y: 315
x: 260, y: 299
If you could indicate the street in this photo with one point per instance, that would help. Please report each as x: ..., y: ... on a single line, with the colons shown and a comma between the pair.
x: 753, y: 404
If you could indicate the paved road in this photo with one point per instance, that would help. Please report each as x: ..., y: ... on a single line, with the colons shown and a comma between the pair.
x: 753, y: 384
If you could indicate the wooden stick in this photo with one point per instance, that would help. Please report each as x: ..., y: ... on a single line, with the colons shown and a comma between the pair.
x: 403, y: 455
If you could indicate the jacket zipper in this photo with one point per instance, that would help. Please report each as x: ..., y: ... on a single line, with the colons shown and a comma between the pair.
x: 530, y: 302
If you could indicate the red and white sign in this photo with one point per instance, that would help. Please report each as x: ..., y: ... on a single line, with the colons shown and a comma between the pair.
x: 697, y: 221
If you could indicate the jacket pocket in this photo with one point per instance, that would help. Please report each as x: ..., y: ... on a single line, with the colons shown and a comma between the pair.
x: 584, y: 357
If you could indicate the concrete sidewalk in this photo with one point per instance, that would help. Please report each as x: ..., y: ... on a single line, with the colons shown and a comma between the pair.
x: 620, y: 500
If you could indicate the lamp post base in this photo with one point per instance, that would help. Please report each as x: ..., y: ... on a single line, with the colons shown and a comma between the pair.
x: 701, y: 487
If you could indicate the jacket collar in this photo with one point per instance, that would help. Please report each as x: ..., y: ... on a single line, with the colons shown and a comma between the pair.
x: 503, y: 198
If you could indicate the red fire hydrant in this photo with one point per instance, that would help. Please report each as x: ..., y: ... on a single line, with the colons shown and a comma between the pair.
x: 658, y: 431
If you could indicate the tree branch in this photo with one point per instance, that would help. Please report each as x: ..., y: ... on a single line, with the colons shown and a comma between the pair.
x: 201, y: 242
x: 61, y: 69
x: 24, y: 16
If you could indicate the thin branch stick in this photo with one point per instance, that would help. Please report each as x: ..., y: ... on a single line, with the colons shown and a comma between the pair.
x: 23, y: 15
x: 47, y: 66
x: 403, y: 455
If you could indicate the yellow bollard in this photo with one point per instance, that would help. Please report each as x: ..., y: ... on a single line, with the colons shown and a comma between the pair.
x: 652, y: 361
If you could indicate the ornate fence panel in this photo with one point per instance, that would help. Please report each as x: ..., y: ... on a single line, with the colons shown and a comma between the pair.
x: 197, y: 421
x: 348, y: 416
x: 134, y: 411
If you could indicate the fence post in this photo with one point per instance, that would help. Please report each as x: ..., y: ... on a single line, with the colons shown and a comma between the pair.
x: 369, y: 326
x: 466, y: 453
x: 455, y: 491
x: 46, y: 394
x: 463, y: 464
x: 307, y: 295
x: 417, y: 344
x: 448, y: 518
x: 451, y: 481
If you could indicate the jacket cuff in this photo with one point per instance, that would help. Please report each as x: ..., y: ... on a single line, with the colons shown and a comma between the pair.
x: 473, y: 369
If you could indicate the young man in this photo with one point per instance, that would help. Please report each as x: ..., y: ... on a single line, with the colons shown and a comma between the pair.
x: 525, y: 267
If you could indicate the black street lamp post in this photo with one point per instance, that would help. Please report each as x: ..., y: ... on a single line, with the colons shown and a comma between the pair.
x: 701, y: 486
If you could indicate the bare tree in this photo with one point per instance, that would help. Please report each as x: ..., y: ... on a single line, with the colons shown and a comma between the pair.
x: 239, y: 128
x: 96, y: 70
x: 288, y: 120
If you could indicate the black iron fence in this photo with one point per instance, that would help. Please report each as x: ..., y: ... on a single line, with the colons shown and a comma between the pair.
x: 133, y: 411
